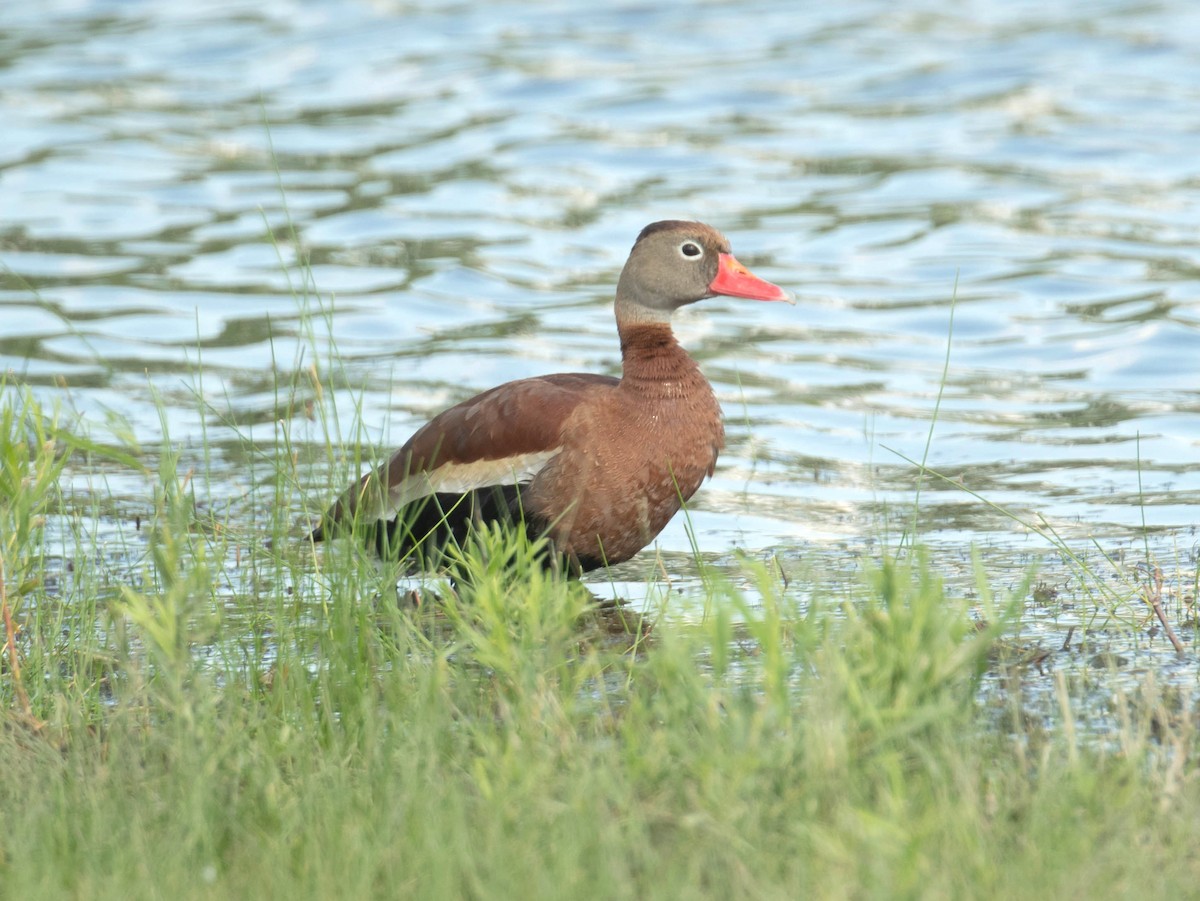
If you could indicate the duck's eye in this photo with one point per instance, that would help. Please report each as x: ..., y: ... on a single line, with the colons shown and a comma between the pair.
x: 691, y: 250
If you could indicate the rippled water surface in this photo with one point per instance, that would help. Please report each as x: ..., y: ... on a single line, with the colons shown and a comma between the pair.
x: 991, y: 204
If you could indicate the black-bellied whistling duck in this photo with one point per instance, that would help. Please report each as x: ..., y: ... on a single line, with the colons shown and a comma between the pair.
x: 598, y: 464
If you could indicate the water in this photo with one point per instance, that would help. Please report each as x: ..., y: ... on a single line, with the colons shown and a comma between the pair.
x: 1014, y: 184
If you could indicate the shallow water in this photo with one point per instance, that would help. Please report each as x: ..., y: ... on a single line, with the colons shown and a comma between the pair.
x: 987, y: 214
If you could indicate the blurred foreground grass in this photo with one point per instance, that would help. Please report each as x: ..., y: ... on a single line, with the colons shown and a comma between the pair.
x: 203, y: 716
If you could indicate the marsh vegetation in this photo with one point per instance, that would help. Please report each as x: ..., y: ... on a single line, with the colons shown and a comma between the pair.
x: 191, y: 712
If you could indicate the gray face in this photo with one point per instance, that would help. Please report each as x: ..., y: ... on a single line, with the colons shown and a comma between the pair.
x: 671, y: 264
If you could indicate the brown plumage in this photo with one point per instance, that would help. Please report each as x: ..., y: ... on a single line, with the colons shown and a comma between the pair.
x: 598, y: 464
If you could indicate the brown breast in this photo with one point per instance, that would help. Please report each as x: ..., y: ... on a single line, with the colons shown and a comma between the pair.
x: 631, y: 455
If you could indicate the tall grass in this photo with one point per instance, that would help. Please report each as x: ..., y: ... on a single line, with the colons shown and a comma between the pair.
x: 231, y: 720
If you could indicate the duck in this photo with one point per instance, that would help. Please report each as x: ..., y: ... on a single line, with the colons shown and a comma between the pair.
x: 596, y: 464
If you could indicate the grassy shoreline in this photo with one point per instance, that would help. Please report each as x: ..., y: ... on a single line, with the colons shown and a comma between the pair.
x: 204, y: 717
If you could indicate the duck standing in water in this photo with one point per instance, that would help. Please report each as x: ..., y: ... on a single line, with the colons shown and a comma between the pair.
x: 597, y: 464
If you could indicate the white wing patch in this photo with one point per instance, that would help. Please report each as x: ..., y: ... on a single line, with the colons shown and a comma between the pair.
x: 463, y: 477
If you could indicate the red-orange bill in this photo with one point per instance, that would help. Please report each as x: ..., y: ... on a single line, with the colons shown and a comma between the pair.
x: 735, y: 280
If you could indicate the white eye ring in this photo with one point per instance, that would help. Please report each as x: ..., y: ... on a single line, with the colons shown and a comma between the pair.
x: 690, y: 250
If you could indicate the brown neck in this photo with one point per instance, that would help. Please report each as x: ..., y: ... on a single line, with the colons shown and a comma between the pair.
x: 653, y: 362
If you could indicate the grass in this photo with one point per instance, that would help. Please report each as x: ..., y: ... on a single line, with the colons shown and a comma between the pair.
x: 201, y: 716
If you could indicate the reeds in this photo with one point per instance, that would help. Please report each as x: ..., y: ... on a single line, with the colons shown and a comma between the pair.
x: 199, y: 714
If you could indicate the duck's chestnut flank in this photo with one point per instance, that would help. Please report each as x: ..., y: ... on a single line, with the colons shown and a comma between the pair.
x: 598, y: 464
